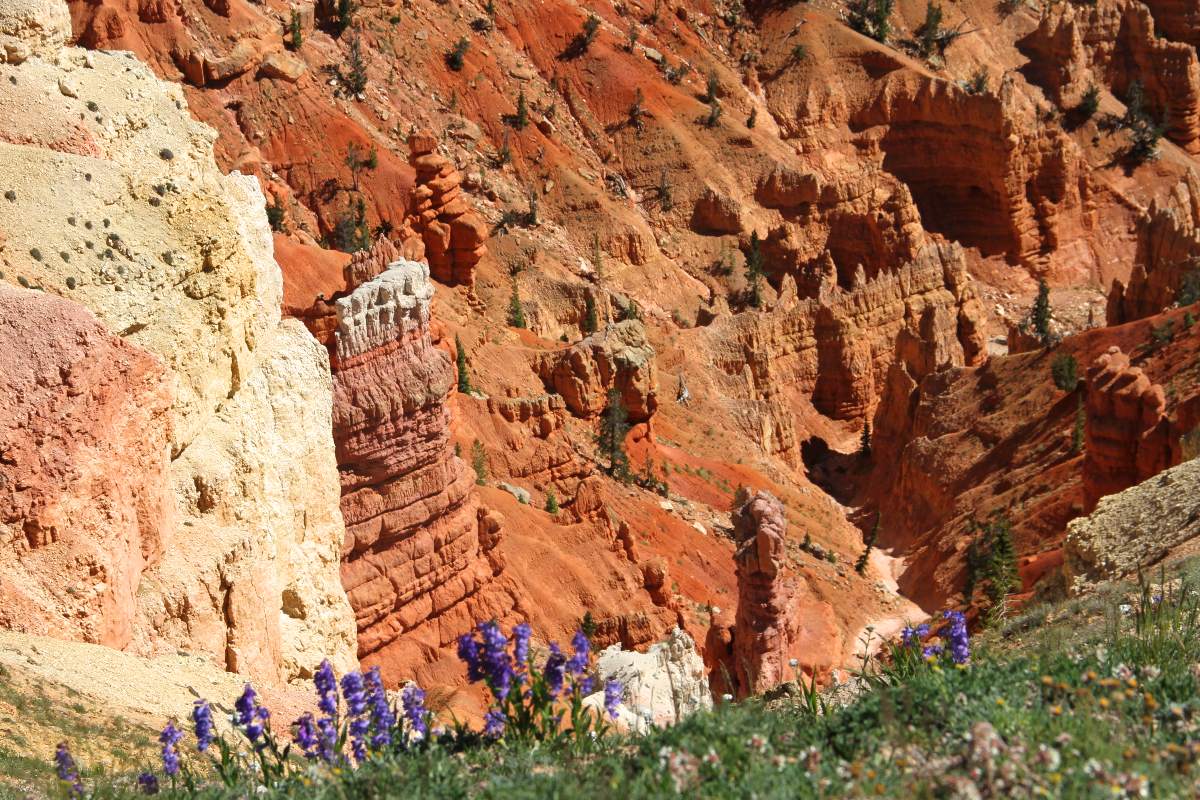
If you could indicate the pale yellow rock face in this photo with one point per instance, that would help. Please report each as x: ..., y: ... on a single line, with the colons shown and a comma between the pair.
x: 110, y: 196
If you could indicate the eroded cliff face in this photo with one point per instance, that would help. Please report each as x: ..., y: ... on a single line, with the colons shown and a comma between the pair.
x: 114, y: 201
x: 86, y: 416
x: 418, y: 561
x: 1114, y: 43
x: 1168, y: 255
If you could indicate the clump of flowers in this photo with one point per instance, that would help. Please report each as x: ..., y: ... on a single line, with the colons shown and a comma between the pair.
x: 535, y: 702
x: 916, y: 649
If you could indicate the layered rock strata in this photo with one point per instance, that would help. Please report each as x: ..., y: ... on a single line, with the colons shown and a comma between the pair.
x: 112, y: 198
x: 455, y: 237
x: 419, y: 564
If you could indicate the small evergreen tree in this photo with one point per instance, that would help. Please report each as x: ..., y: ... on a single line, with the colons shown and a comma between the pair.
x: 872, y: 18
x: 664, y: 191
x: 714, y: 113
x: 356, y: 73
x: 479, y: 463
x: 521, y: 118
x: 551, y: 502
x: 992, y: 558
x: 636, y: 112
x: 297, y: 36
x: 860, y: 566
x: 588, y: 625
x: 712, y: 87
x: 864, y: 441
x: 929, y: 34
x: 1089, y: 104
x: 611, y: 438
x: 1040, y: 315
x: 464, y: 377
x: 1065, y: 371
x: 345, y: 14
x: 454, y: 59
x: 1078, y: 430
x: 591, y: 318
x: 1144, y: 131
x: 516, y: 314
x: 752, y: 120
x: 754, y: 270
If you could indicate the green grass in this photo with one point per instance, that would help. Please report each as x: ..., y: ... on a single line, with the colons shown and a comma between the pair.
x: 1095, y: 697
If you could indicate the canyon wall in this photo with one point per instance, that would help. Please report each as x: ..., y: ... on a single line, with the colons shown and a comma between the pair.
x: 112, y: 199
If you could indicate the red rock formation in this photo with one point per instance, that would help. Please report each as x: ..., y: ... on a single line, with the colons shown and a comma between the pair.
x: 775, y: 619
x: 85, y: 495
x: 616, y: 357
x: 1176, y: 19
x: 417, y: 562
x: 1114, y: 42
x: 1128, y: 434
x: 1001, y: 181
x: 1168, y: 252
x: 454, y: 235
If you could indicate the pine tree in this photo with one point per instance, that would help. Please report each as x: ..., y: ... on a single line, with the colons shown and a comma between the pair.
x: 294, y: 29
x: 1040, y: 315
x: 479, y: 462
x: 521, y: 118
x: 864, y: 440
x: 516, y: 313
x: 345, y: 12
x: 356, y: 75
x: 464, y: 378
x: 611, y: 438
x: 551, y: 502
x: 1001, y: 565
x: 869, y: 542
x: 1065, y: 372
x: 754, y: 270
x: 591, y: 318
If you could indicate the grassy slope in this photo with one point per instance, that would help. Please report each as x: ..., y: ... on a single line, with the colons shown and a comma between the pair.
x: 1090, y: 698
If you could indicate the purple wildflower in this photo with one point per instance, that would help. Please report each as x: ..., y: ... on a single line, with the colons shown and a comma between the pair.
x: 382, y: 717
x: 413, y: 700
x: 554, y: 671
x: 307, y: 736
x: 169, y: 739
x: 148, y: 783
x: 203, y: 722
x: 521, y: 635
x: 245, y: 705
x: 355, y: 694
x: 911, y: 637
x: 495, y: 660
x: 584, y: 685
x: 326, y: 684
x: 578, y: 662
x: 329, y: 737
x: 931, y: 651
x: 612, y: 697
x: 493, y: 724
x: 468, y: 651
x: 957, y: 637
x: 68, y: 772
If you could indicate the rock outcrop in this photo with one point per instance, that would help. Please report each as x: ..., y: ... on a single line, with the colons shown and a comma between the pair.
x: 85, y: 495
x: 419, y: 566
x: 618, y: 356
x: 455, y: 237
x: 1115, y: 42
x: 1001, y: 182
x: 114, y: 200
x: 839, y: 345
x: 1168, y: 255
x: 1128, y: 433
x: 1135, y: 528
x: 660, y: 687
x: 753, y: 654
